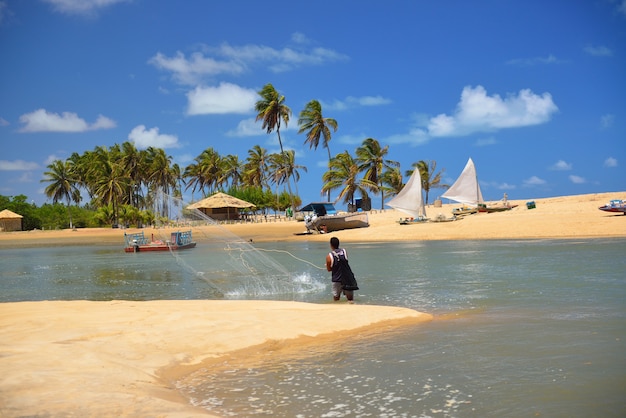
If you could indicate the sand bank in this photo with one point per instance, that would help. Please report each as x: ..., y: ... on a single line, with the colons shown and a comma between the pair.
x: 117, y: 358
x: 557, y: 217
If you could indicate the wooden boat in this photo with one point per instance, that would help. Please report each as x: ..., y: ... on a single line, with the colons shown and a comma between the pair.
x: 180, y: 240
x: 496, y: 208
x: 412, y: 221
x: 465, y: 190
x: 323, y: 217
x: 410, y: 200
x: 615, y: 205
x: 464, y: 210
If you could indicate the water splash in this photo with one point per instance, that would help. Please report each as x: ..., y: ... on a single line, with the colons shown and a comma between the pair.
x: 231, y: 266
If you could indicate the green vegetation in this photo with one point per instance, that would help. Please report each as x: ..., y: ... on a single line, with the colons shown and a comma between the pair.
x: 119, y: 184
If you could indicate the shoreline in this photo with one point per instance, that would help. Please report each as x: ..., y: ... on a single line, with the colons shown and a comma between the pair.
x: 566, y: 217
x: 122, y: 358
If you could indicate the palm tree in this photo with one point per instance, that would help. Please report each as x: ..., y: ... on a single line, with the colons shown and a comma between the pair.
x: 430, y: 179
x: 110, y: 183
x: 283, y: 166
x: 161, y: 176
x: 342, y: 174
x: 256, y: 167
x: 63, y: 184
x: 231, y: 170
x: 391, y: 181
x: 371, y: 159
x: 206, y: 172
x: 271, y: 109
x: 316, y: 126
x: 133, y: 165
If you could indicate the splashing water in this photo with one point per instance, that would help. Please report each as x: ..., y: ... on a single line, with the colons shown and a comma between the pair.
x: 232, y: 267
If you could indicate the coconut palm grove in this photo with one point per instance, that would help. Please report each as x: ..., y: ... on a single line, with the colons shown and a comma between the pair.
x: 119, y: 184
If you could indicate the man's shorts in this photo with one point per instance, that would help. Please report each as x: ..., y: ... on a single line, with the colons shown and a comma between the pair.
x: 337, y: 290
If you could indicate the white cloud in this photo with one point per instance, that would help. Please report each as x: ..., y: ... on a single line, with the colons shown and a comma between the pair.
x: 229, y: 59
x: 81, y: 7
x: 534, y: 181
x: 4, y: 122
x: 610, y: 162
x: 622, y: 7
x: 18, y: 165
x: 247, y: 127
x: 598, y: 51
x: 193, y: 70
x: 144, y: 138
x: 561, y: 166
x: 498, y: 186
x: 606, y: 121
x: 550, y: 59
x: 50, y: 159
x: 223, y: 99
x: 483, y: 142
x: 477, y: 112
x: 352, y: 102
x: 43, y: 121
x: 577, y: 179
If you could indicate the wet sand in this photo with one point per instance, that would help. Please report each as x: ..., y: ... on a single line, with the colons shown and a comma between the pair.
x: 119, y: 358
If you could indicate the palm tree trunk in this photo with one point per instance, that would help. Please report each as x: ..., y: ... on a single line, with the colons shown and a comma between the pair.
x: 329, y: 158
x: 69, y: 212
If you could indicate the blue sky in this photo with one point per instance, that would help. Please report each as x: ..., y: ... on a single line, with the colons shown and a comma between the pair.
x: 533, y: 91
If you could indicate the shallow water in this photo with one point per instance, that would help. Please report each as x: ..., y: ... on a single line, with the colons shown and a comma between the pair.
x: 522, y: 328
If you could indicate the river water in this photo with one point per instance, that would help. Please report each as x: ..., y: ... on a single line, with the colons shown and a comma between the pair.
x: 522, y: 328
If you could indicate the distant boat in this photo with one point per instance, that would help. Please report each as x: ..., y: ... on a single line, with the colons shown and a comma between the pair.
x: 323, y: 217
x: 466, y: 190
x: 410, y: 200
x: 615, y: 205
x: 180, y: 240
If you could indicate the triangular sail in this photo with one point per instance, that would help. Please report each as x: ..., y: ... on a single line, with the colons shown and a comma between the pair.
x: 410, y: 200
x: 466, y: 189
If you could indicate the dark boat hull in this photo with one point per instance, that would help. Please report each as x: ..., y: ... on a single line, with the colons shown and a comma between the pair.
x: 158, y: 247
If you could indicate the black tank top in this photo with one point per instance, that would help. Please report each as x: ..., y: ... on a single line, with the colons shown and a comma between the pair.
x: 340, y: 254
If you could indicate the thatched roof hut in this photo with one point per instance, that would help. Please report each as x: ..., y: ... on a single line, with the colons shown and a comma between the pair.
x: 221, y: 206
x: 10, y: 221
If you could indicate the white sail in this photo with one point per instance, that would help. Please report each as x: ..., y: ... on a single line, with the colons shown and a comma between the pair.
x: 466, y: 189
x: 410, y: 200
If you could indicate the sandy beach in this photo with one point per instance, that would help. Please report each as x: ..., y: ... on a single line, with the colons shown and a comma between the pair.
x: 120, y: 358
x: 557, y: 217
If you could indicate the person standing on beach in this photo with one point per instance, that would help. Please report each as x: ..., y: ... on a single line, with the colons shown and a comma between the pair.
x: 333, y: 265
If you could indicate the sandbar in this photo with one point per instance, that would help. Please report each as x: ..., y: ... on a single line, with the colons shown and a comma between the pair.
x: 121, y: 358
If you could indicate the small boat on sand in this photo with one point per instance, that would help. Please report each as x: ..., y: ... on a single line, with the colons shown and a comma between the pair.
x: 615, y: 205
x: 410, y: 200
x: 323, y: 217
x: 180, y: 240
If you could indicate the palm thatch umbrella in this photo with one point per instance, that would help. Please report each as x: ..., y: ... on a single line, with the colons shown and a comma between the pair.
x: 219, y: 204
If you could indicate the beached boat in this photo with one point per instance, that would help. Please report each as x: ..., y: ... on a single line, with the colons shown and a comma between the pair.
x: 466, y: 190
x: 615, y: 205
x: 180, y: 240
x: 323, y: 217
x: 410, y: 200
x: 495, y: 208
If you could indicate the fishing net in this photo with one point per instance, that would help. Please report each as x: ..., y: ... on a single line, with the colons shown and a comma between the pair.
x: 230, y: 266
